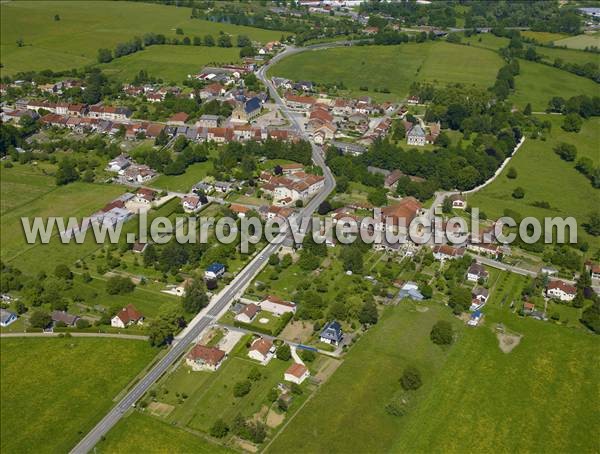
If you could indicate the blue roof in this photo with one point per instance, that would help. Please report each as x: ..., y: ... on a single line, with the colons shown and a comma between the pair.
x: 215, y: 267
x: 476, y: 314
x: 252, y: 105
x: 333, y: 331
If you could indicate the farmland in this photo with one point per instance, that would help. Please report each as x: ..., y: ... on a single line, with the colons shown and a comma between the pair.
x: 142, y: 433
x: 55, y: 390
x: 83, y: 28
x: 580, y: 41
x: 170, y: 63
x: 397, y: 67
x: 537, y: 166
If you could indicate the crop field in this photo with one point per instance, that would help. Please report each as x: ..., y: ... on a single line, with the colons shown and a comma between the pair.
x: 21, y: 185
x: 55, y: 390
x: 397, y: 67
x: 138, y: 432
x: 84, y: 27
x: 567, y: 55
x: 537, y: 168
x: 580, y: 41
x: 543, y: 37
x: 537, y: 83
x: 183, y: 183
x: 170, y: 63
x: 28, y: 200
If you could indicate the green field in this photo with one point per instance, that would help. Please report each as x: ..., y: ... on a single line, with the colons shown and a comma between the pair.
x: 474, y: 399
x: 567, y: 55
x: 55, y: 390
x: 42, y: 199
x: 84, y: 27
x: 543, y: 37
x: 183, y: 183
x: 580, y: 41
x: 170, y: 63
x: 142, y: 433
x: 539, y: 170
x: 537, y: 83
x: 397, y: 67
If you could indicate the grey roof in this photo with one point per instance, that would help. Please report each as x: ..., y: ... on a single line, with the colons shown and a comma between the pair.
x: 209, y: 117
x: 332, y: 331
x: 62, y: 316
x: 417, y: 131
x: 348, y: 147
x: 5, y: 316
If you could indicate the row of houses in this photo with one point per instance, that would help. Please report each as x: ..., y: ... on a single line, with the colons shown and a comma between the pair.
x: 289, y: 188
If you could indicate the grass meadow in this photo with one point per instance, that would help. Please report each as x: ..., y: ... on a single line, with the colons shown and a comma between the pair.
x: 54, y: 390
x: 392, y: 67
x: 580, y: 41
x: 183, y: 183
x: 84, y: 27
x: 538, y: 170
x: 138, y: 432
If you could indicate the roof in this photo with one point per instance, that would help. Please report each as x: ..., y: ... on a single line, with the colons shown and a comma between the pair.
x: 250, y: 310
x: 215, y: 267
x: 139, y: 247
x: 179, y: 116
x: 252, y: 105
x: 477, y: 269
x: 262, y: 346
x: 238, y: 208
x: 62, y: 316
x: 129, y: 314
x: 297, y: 370
x: 5, y: 315
x: 300, y: 99
x: 333, y: 331
x: 276, y: 300
x: 481, y: 291
x: 146, y: 193
x: 560, y: 285
x: 407, y: 210
x: 209, y: 355
x: 448, y: 250
x: 417, y: 130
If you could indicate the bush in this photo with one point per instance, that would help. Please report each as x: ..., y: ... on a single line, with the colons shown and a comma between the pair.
x: 512, y: 173
x: 82, y: 323
x: 442, y: 333
x: 307, y: 355
x: 284, y: 353
x: 411, y: 379
x: 117, y: 285
x: 219, y: 429
x: 40, y: 319
x: 518, y: 193
x: 242, y: 388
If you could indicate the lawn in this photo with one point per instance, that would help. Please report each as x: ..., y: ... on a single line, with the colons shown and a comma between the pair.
x: 568, y: 55
x: 138, y: 432
x: 397, y: 67
x: 170, y: 63
x: 543, y: 37
x: 84, y: 27
x: 183, y: 183
x: 23, y: 184
x: 580, y: 41
x: 54, y: 390
x: 537, y: 168
x: 537, y: 83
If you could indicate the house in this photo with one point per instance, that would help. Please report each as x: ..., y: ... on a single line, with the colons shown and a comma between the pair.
x: 416, y: 136
x: 332, y: 333
x: 299, y: 102
x: 246, y: 111
x: 475, y: 318
x: 239, y: 210
x: 277, y: 306
x: 528, y: 308
x: 64, y: 317
x: 191, y: 203
x: 248, y: 314
x: 208, y: 121
x: 288, y: 169
x: 178, y: 119
x: 139, y: 248
x: 202, y: 357
x: 479, y: 298
x: 353, y: 149
x: 7, y: 317
x: 145, y: 195
x: 458, y: 202
x: 561, y: 290
x: 398, y: 217
x: 296, y: 373
x: 595, y: 271
x: 446, y: 252
x: 410, y: 290
x: 392, y: 179
x: 127, y: 316
x: 211, y: 91
x: 119, y: 164
x: 214, y: 271
x: 261, y: 350
x: 475, y: 272
x: 413, y: 100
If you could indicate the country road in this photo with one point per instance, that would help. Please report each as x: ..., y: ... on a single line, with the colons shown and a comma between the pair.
x: 220, y: 301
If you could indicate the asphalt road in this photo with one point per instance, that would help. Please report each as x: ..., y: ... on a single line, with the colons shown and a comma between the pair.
x: 222, y: 300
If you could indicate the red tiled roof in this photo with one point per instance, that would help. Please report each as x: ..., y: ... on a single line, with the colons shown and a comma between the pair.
x: 210, y: 355
x: 262, y: 346
x: 567, y: 288
x: 129, y: 314
x: 297, y: 370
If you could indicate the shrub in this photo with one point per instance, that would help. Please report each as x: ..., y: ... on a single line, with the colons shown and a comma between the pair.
x: 411, y: 379
x: 242, y: 388
x: 284, y: 353
x: 518, y: 193
x: 441, y: 333
x: 219, y: 429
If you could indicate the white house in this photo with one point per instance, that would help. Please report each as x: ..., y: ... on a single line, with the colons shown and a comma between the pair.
x: 248, y: 314
x: 7, y: 317
x: 561, y: 290
x: 296, y: 373
x: 127, y: 316
x: 261, y: 350
x: 277, y: 306
x: 191, y: 203
x: 476, y: 272
x: 416, y: 136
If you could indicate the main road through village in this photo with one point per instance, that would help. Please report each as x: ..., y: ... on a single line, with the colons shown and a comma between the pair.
x: 226, y: 296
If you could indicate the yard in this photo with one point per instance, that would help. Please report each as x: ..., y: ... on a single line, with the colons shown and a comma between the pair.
x: 184, y: 183
x: 54, y: 390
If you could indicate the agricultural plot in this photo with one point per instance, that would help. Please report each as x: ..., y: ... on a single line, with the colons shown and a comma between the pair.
x: 537, y: 166
x: 23, y: 184
x: 169, y: 63
x: 55, y: 390
x: 74, y: 40
x: 580, y: 41
x: 398, y: 67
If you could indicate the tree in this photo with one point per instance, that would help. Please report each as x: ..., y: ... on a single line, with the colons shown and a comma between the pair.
x: 56, y: 18
x: 368, y: 314
x: 283, y: 352
x: 162, y: 138
x: 378, y: 197
x: 442, y: 333
x: 118, y: 285
x: 512, y: 173
x: 566, y: 151
x: 224, y: 41
x: 219, y: 429
x: 40, y: 319
x: 324, y: 208
x: 179, y: 31
x: 411, y: 379
x: 591, y: 317
x: 307, y: 355
x: 527, y: 110
x: 187, y: 41
x: 592, y: 226
x: 63, y: 272
x: 209, y: 41
x: 242, y: 388
x: 197, y: 41
x: 67, y: 172
x: 572, y: 122
x: 195, y: 297
x: 447, y: 205
x: 243, y: 41
x: 518, y: 193
x: 82, y: 323
x: 426, y: 291
x: 20, y: 42
x: 104, y: 55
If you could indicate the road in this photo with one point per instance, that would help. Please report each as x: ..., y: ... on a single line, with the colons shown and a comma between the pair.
x: 220, y: 301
